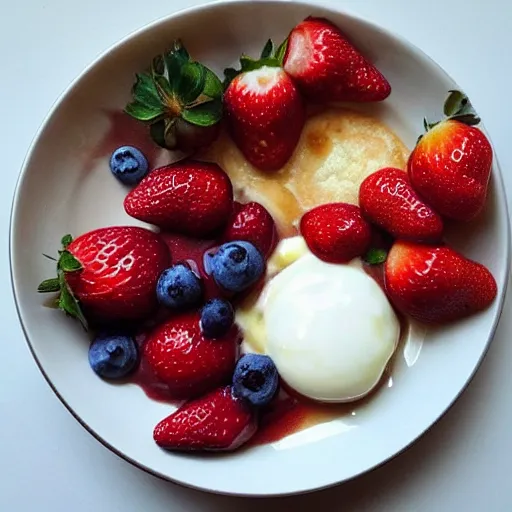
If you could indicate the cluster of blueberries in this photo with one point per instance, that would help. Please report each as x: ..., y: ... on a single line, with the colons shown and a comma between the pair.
x: 235, y: 266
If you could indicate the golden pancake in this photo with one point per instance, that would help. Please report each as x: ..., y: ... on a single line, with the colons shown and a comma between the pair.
x: 337, y: 150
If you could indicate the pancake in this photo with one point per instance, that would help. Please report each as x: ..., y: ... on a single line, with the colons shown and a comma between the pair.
x: 337, y: 150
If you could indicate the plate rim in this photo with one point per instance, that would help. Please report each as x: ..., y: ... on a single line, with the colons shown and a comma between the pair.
x: 15, y: 206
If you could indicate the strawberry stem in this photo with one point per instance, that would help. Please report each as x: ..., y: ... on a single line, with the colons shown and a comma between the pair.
x: 66, y: 301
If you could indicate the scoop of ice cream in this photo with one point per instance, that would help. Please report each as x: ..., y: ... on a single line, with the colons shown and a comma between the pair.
x: 329, y: 329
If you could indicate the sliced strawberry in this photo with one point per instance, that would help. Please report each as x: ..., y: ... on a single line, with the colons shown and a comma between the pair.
x: 387, y: 199
x: 264, y: 112
x: 253, y: 223
x: 215, y: 422
x: 336, y: 232
x: 435, y: 284
x: 327, y: 67
x: 190, y: 197
x: 187, y: 362
x: 112, y: 273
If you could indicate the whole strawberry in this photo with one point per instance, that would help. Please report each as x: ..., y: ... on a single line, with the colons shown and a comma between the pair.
x: 387, y: 199
x: 336, y: 232
x: 252, y: 222
x: 109, y: 274
x: 184, y: 359
x: 450, y: 166
x: 435, y: 284
x: 328, y: 68
x: 215, y: 422
x: 190, y: 197
x: 264, y: 111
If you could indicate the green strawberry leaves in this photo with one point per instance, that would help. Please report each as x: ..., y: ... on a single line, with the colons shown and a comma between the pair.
x: 66, y: 301
x: 270, y: 56
x: 375, y: 256
x: 458, y: 107
x: 147, y: 104
x: 49, y: 285
x: 175, y: 86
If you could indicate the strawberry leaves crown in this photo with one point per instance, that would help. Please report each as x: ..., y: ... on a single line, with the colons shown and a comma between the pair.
x: 175, y: 87
x: 65, y: 301
x: 270, y: 56
x: 457, y: 107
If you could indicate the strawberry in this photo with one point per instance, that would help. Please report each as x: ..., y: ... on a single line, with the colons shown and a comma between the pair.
x: 109, y: 274
x: 387, y: 199
x: 264, y: 111
x: 451, y: 164
x: 187, y: 362
x: 336, y: 232
x: 327, y: 67
x: 436, y: 284
x: 215, y: 422
x: 190, y: 197
x: 253, y: 223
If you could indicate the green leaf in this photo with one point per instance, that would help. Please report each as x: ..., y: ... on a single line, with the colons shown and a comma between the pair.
x: 281, y: 51
x: 206, y: 114
x: 469, y: 119
x: 192, y: 83
x: 49, y: 257
x: 268, y: 50
x: 250, y: 64
x: 375, y: 256
x: 212, y: 86
x: 68, y: 263
x: 175, y: 59
x: 66, y: 240
x: 165, y: 92
x: 454, y: 102
x: 68, y: 302
x: 49, y: 285
x: 158, y: 66
x: 145, y: 92
x: 229, y: 75
x: 142, y: 112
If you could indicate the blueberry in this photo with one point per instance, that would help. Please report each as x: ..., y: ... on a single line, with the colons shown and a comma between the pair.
x: 236, y: 266
x: 255, y: 379
x: 179, y: 287
x: 128, y: 165
x: 113, y: 357
x: 217, y: 317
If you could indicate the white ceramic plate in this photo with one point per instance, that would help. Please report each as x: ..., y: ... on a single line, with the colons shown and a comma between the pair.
x: 65, y: 187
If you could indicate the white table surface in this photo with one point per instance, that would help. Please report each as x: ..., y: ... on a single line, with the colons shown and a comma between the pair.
x: 48, y: 462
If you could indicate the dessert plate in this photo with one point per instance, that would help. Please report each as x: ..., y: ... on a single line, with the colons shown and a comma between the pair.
x: 63, y: 189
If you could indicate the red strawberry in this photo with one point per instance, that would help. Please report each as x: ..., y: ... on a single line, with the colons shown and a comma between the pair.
x: 336, y: 232
x: 435, y: 284
x: 190, y: 364
x: 327, y: 67
x: 190, y: 197
x: 111, y: 272
x: 253, y: 223
x: 215, y: 422
x: 387, y: 199
x: 450, y: 166
x: 265, y: 113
